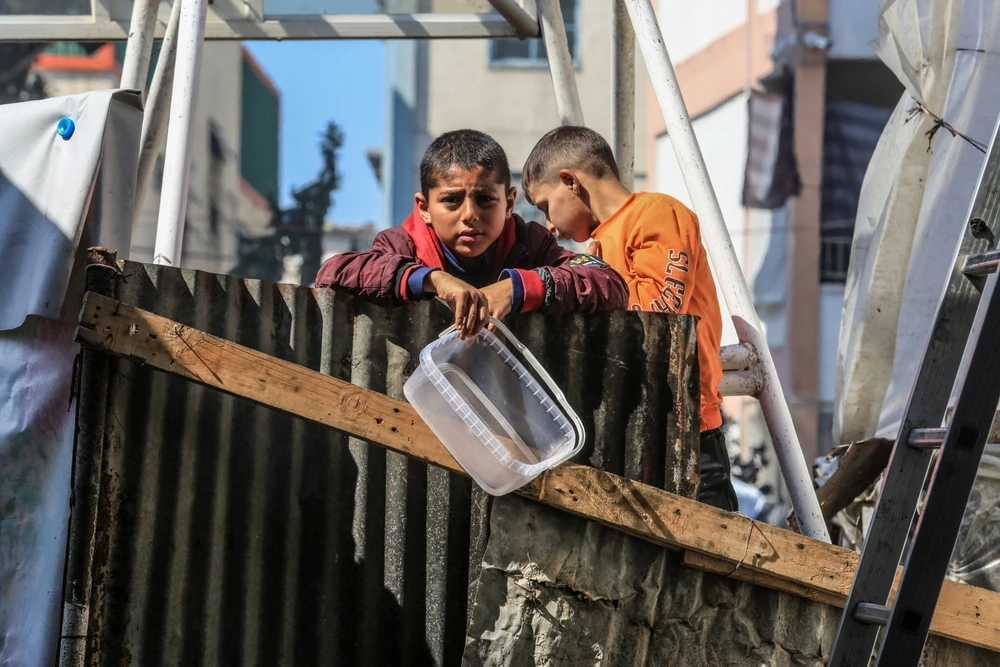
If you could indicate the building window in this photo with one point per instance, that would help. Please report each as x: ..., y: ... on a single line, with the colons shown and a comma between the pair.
x: 531, y: 52
x: 217, y: 149
x: 213, y: 218
x: 835, y: 238
x: 850, y: 133
x: 215, y: 143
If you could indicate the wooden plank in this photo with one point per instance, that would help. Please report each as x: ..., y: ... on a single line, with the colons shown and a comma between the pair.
x: 964, y: 613
x: 173, y: 347
x: 860, y: 466
x: 730, y: 569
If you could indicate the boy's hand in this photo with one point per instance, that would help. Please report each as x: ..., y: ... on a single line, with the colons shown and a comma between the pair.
x: 595, y: 249
x: 470, y: 305
x: 500, y: 296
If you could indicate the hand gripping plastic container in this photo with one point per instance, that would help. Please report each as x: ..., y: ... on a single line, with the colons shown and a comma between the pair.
x: 494, y: 417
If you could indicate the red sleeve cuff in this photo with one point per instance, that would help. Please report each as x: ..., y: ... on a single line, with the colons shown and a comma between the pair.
x: 534, y: 290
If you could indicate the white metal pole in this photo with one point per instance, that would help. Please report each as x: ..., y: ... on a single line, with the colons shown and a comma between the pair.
x: 727, y: 266
x: 623, y: 93
x: 524, y: 23
x: 737, y: 357
x: 139, y: 47
x: 180, y: 133
x: 157, y: 113
x: 560, y: 63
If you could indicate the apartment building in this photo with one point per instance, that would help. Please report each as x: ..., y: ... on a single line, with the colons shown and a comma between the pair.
x: 234, y: 161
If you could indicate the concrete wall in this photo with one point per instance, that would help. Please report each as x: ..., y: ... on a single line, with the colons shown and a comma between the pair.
x: 853, y: 23
x: 689, y: 27
x: 558, y: 591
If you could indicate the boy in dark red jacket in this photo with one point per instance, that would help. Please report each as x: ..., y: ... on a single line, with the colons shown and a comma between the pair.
x: 463, y: 244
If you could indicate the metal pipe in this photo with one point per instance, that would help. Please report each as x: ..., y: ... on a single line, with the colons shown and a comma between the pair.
x: 180, y: 134
x: 560, y: 63
x: 436, y: 25
x: 157, y: 113
x: 92, y: 403
x: 523, y: 23
x: 738, y: 357
x: 139, y: 47
x: 623, y: 94
x: 747, y: 382
x: 727, y: 267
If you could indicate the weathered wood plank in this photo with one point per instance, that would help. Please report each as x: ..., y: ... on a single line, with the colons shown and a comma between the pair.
x: 170, y: 346
x: 733, y: 570
x: 860, y: 465
x: 787, y: 560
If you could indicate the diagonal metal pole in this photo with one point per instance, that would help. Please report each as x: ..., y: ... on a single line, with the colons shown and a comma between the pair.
x: 524, y: 23
x: 623, y: 93
x: 180, y: 133
x: 139, y: 47
x: 727, y: 267
x: 560, y: 63
x: 157, y: 112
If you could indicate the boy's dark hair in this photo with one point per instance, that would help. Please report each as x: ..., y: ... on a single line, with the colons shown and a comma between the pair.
x: 568, y: 147
x: 466, y: 149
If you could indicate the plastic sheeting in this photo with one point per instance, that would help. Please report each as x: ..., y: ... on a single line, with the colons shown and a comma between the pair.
x: 36, y: 447
x: 914, y: 203
x: 976, y: 559
x: 57, y: 196
x: 46, y: 187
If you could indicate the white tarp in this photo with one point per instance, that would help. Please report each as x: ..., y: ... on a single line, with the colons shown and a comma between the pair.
x: 914, y: 202
x: 46, y: 184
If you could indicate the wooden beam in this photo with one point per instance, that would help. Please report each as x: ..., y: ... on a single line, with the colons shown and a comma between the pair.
x: 728, y: 568
x: 175, y: 348
x: 777, y: 558
x: 860, y: 466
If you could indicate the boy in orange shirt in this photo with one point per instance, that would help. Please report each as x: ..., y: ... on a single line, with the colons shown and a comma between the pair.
x: 654, y: 242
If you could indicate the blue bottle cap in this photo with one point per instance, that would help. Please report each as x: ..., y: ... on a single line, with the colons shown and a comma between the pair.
x: 66, y: 128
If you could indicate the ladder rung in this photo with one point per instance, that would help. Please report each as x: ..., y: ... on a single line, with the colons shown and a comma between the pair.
x: 982, y: 264
x: 873, y: 614
x: 926, y: 438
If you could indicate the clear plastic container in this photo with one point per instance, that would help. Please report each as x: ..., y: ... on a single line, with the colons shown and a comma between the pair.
x: 494, y: 417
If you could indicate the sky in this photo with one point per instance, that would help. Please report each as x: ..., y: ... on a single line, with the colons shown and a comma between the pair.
x: 319, y: 81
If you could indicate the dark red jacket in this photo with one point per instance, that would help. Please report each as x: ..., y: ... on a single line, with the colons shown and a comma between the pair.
x: 553, y: 279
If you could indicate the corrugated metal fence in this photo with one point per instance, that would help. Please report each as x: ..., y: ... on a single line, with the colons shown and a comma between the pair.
x: 231, y: 534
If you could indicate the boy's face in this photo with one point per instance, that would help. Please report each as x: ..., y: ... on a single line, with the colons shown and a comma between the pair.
x: 566, y: 214
x: 467, y: 209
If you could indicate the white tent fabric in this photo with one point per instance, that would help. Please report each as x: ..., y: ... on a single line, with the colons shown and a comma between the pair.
x: 46, y: 184
x: 57, y: 197
x: 914, y: 202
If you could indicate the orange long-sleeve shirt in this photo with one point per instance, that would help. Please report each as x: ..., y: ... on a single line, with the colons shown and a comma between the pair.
x: 654, y: 242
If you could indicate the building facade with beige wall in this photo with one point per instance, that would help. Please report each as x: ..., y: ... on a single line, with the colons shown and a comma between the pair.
x: 234, y: 158
x: 501, y: 87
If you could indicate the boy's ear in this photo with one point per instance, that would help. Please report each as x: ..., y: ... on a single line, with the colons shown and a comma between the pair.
x: 569, y: 179
x: 511, y: 198
x: 422, y: 206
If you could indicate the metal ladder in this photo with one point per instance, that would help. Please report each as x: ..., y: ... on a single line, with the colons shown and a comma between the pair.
x: 969, y: 312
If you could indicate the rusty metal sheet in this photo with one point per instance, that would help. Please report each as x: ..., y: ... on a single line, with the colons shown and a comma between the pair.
x: 231, y: 534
